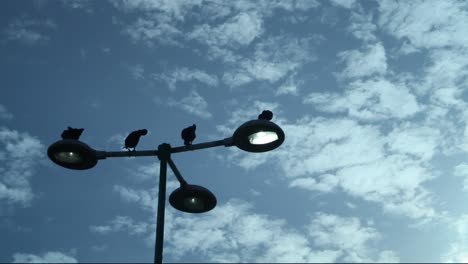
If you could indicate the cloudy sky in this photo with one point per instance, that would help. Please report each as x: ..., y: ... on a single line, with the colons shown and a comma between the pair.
x: 370, y: 94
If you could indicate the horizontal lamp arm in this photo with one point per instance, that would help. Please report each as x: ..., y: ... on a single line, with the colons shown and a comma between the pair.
x: 227, y: 142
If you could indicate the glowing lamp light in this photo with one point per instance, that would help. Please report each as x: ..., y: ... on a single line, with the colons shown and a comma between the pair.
x: 258, y: 136
x: 194, y: 204
x: 72, y: 154
x: 193, y: 199
x: 263, y: 137
x: 68, y: 157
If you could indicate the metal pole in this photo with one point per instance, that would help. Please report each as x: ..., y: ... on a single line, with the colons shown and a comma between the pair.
x: 164, y: 155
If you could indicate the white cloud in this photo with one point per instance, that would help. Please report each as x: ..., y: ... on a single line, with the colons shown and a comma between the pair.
x: 447, y: 69
x: 288, y: 87
x: 457, y: 252
x: 137, y: 71
x: 186, y: 75
x: 121, y: 224
x: 193, y: 103
x: 146, y: 199
x: 19, y: 154
x: 273, y: 59
x: 48, y: 257
x: 326, y: 183
x: 426, y: 24
x: 461, y: 170
x: 344, y: 3
x: 370, y: 100
x: 176, y: 9
x: 370, y: 61
x: 396, y: 182
x: 331, y: 144
x: 4, y: 113
x: 345, y: 234
x: 233, y: 233
x: 146, y: 172
x: 155, y: 29
x: 325, y: 155
x: 414, y: 139
x: 28, y: 31
x: 306, y: 4
x: 239, y: 30
x: 362, y: 26
x: 79, y: 4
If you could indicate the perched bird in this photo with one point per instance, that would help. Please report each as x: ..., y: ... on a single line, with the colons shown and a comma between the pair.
x: 266, y: 115
x: 132, y: 139
x: 188, y: 134
x: 72, y: 133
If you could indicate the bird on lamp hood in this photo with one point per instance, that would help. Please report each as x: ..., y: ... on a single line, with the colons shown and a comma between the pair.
x: 266, y: 115
x: 72, y: 133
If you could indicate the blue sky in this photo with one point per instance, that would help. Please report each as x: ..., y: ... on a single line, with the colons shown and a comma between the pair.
x: 370, y: 94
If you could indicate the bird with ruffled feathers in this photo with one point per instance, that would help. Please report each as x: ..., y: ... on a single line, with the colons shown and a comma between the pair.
x: 133, y: 138
x: 72, y: 133
x: 266, y: 115
x: 188, y: 134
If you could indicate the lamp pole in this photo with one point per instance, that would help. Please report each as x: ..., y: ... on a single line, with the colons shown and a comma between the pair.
x: 252, y: 136
x: 163, y: 154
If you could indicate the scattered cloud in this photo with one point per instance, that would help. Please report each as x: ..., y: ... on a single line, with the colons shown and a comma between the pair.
x: 383, y: 170
x: 348, y: 235
x: 288, y: 87
x: 239, y: 30
x: 233, y: 233
x: 145, y: 172
x: 447, y: 69
x: 344, y: 3
x: 48, y: 257
x: 370, y: 100
x: 461, y: 170
x: 419, y: 141
x: 362, y: 26
x: 187, y: 75
x: 19, y: 155
x: 84, y: 5
x: 172, y: 9
x: 370, y: 61
x: 153, y: 30
x: 193, y: 103
x: 457, y: 251
x: 395, y: 182
x: 324, y: 183
x: 121, y: 224
x: 417, y: 22
x: 137, y: 71
x: 273, y: 59
x: 4, y: 113
x: 28, y: 31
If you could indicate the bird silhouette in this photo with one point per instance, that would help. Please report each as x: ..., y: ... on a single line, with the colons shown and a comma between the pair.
x: 266, y: 115
x: 72, y: 133
x: 188, y: 134
x: 132, y: 139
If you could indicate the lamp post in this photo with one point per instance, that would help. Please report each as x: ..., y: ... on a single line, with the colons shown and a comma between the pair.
x: 252, y: 136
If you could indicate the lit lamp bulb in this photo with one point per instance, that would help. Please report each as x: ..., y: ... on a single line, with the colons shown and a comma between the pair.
x: 263, y: 137
x: 68, y: 157
x: 194, y: 204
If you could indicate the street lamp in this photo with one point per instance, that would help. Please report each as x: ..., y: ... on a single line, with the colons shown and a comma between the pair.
x: 253, y: 136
